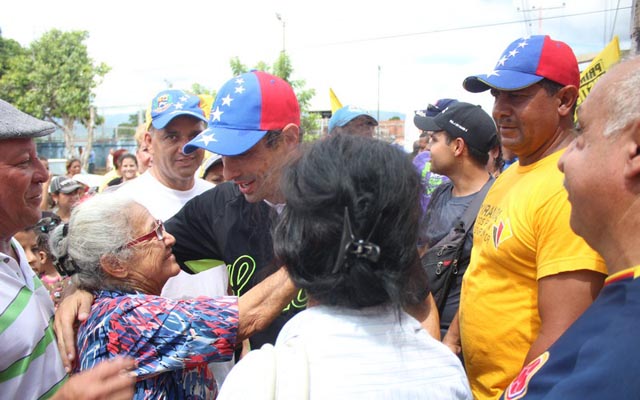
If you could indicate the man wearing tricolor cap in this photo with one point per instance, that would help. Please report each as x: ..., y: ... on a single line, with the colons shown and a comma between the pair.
x: 175, y: 117
x: 254, y: 126
x: 597, y: 357
x: 530, y: 276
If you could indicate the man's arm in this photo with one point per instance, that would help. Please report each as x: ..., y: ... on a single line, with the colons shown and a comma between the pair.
x: 73, y: 309
x: 108, y: 380
x: 194, y: 228
x: 427, y: 314
x: 452, y: 337
x: 562, y: 298
x: 264, y: 302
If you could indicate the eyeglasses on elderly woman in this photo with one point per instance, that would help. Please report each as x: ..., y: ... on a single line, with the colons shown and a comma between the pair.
x: 158, y: 232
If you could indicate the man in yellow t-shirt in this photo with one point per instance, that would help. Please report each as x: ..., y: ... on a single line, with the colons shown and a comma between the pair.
x: 530, y: 276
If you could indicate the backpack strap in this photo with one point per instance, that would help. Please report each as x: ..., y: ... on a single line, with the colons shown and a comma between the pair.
x: 470, y: 214
x: 464, y: 224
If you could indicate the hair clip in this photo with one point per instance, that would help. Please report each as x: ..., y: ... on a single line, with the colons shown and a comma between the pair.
x: 359, y: 248
x: 65, y: 265
x: 47, y: 224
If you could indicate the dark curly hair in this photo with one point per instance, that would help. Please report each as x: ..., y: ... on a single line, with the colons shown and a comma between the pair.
x: 373, y: 180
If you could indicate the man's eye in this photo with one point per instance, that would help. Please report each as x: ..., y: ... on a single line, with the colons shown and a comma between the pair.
x: 24, y: 163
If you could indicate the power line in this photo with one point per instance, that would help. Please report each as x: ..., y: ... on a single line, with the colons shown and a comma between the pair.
x: 615, y: 18
x: 462, y: 28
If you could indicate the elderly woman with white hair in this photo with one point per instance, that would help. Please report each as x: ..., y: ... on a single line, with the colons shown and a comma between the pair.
x: 116, y: 250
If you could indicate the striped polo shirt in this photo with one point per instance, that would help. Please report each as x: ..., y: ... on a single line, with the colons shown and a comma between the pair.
x: 30, y: 366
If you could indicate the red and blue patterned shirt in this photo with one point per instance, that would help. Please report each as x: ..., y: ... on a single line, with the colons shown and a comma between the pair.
x: 172, y: 340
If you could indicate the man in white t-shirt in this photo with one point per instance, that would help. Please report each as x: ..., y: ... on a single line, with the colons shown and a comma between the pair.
x: 176, y: 117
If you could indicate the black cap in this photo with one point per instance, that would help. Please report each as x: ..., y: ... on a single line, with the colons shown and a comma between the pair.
x: 467, y: 121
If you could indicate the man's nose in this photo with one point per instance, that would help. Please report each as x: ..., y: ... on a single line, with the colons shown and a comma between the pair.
x: 229, y: 171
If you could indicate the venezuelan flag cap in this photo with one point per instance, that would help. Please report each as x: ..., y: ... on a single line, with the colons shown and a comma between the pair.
x: 527, y: 61
x: 246, y: 108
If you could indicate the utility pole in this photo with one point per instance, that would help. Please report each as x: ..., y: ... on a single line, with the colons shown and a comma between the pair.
x: 635, y: 28
x: 283, y: 29
x: 378, y: 115
x: 84, y: 158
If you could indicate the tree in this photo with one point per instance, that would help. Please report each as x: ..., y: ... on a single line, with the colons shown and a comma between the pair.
x: 54, y: 80
x: 283, y: 69
x: 197, y: 88
x: 9, y: 50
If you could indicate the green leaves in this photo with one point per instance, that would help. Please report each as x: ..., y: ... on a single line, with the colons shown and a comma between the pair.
x: 52, y: 79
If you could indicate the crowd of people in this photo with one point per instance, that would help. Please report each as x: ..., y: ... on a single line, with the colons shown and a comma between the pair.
x: 227, y: 259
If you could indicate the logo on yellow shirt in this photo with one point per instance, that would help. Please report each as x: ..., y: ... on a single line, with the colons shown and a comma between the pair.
x: 501, y: 232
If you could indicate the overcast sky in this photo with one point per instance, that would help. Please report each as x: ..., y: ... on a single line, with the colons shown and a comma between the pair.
x: 409, y: 52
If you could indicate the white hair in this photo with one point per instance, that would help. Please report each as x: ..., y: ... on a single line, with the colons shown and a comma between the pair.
x: 624, y: 99
x: 100, y: 225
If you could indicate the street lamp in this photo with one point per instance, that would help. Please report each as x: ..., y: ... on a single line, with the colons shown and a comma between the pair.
x: 283, y: 25
x: 378, y: 116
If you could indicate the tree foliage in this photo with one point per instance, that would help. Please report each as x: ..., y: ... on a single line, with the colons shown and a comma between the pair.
x: 198, y: 88
x: 283, y: 69
x: 53, y: 79
x: 9, y: 50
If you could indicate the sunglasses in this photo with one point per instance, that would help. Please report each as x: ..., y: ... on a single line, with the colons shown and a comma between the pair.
x: 48, y: 224
x: 157, y: 232
x: 434, y: 108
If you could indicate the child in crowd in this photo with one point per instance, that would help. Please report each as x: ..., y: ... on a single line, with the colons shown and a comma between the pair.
x: 28, y: 240
x: 48, y: 274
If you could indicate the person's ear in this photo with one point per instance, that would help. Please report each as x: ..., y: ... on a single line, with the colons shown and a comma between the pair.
x: 43, y: 256
x: 632, y: 150
x: 147, y: 141
x: 113, y: 267
x: 567, y: 97
x: 291, y: 136
x: 458, y: 146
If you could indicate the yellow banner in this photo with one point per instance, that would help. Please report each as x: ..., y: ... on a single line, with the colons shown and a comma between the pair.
x: 335, y: 103
x: 600, y: 64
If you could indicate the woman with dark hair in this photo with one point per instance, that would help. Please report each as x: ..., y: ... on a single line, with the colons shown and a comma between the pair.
x: 127, y: 167
x: 348, y: 237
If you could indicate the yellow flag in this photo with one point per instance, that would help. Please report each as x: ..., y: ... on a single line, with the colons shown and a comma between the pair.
x: 607, y: 57
x: 206, y: 101
x: 335, y: 103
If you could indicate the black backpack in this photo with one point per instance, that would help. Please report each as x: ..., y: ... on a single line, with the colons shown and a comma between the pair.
x: 441, y: 260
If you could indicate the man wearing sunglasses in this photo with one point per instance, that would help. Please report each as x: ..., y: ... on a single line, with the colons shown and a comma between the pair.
x: 30, y: 366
